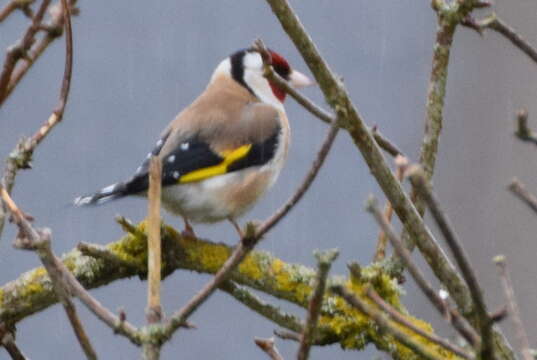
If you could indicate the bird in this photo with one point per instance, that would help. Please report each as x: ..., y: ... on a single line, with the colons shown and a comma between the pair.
x: 225, y: 150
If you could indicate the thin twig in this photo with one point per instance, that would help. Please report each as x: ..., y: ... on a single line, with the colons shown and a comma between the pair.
x: 21, y: 156
x: 523, y: 132
x: 401, y: 163
x: 19, y: 50
x: 398, y: 317
x: 151, y: 348
x: 154, y: 311
x: 423, y: 188
x: 7, y: 340
x: 519, y: 189
x: 39, y: 241
x: 507, y: 285
x: 269, y: 311
x: 309, y: 105
x: 54, y: 30
x: 324, y: 262
x: 12, y: 6
x: 101, y: 252
x: 267, y: 345
x: 493, y: 22
x: 249, y: 240
x: 305, y: 185
x: 382, y: 321
x: 451, y: 315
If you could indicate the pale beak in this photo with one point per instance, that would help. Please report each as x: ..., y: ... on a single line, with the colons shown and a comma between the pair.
x: 299, y: 80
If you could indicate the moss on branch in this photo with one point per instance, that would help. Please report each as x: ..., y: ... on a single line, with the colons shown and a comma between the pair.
x: 32, y: 291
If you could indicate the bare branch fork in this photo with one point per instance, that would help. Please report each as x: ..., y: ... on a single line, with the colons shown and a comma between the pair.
x: 493, y: 22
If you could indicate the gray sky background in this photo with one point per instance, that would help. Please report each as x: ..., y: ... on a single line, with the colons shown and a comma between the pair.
x: 138, y: 63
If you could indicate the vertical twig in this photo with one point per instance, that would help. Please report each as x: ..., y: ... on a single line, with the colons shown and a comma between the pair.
x: 514, y: 311
x: 151, y: 349
x: 324, y: 262
x: 380, y: 252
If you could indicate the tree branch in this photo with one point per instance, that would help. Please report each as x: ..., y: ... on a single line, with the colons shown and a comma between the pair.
x: 267, y: 345
x: 324, y: 262
x: 449, y: 314
x: 493, y: 22
x: 399, y: 318
x: 39, y: 241
x: 381, y: 320
x: 423, y: 188
x: 19, y: 50
x: 514, y: 311
x: 21, y: 156
x: 519, y: 189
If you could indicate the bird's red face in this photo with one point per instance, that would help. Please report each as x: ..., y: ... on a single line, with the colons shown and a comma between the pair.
x: 282, y: 68
x: 246, y: 67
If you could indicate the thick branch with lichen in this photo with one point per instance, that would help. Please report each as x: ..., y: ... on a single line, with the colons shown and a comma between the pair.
x: 33, y: 292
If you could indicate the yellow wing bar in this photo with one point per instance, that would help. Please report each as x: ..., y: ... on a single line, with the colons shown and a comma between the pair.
x: 205, y: 173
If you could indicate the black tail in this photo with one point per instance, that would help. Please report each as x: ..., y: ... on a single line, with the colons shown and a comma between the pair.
x: 106, y: 194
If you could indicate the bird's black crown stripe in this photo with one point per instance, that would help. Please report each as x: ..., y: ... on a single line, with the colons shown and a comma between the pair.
x: 237, y: 68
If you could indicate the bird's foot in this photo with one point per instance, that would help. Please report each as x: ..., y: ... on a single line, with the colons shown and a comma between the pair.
x: 188, y: 232
x: 237, y: 227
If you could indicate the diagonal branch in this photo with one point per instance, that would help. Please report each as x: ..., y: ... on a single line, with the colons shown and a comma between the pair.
x: 451, y: 315
x: 309, y: 105
x: 423, y: 188
x: 514, y: 311
x: 381, y: 320
x: 39, y: 241
x: 520, y: 191
x: 399, y: 318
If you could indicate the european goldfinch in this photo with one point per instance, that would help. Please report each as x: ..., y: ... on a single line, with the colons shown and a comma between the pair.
x: 222, y: 152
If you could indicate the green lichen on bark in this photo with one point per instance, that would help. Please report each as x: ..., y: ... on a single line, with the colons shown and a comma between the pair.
x: 32, y: 291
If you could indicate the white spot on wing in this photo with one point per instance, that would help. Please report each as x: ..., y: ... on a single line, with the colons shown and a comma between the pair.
x: 185, y: 146
x: 171, y: 159
x: 149, y: 156
x: 176, y: 174
x: 80, y: 201
x: 139, y: 170
x: 109, y: 188
x: 159, y: 143
x: 443, y: 294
